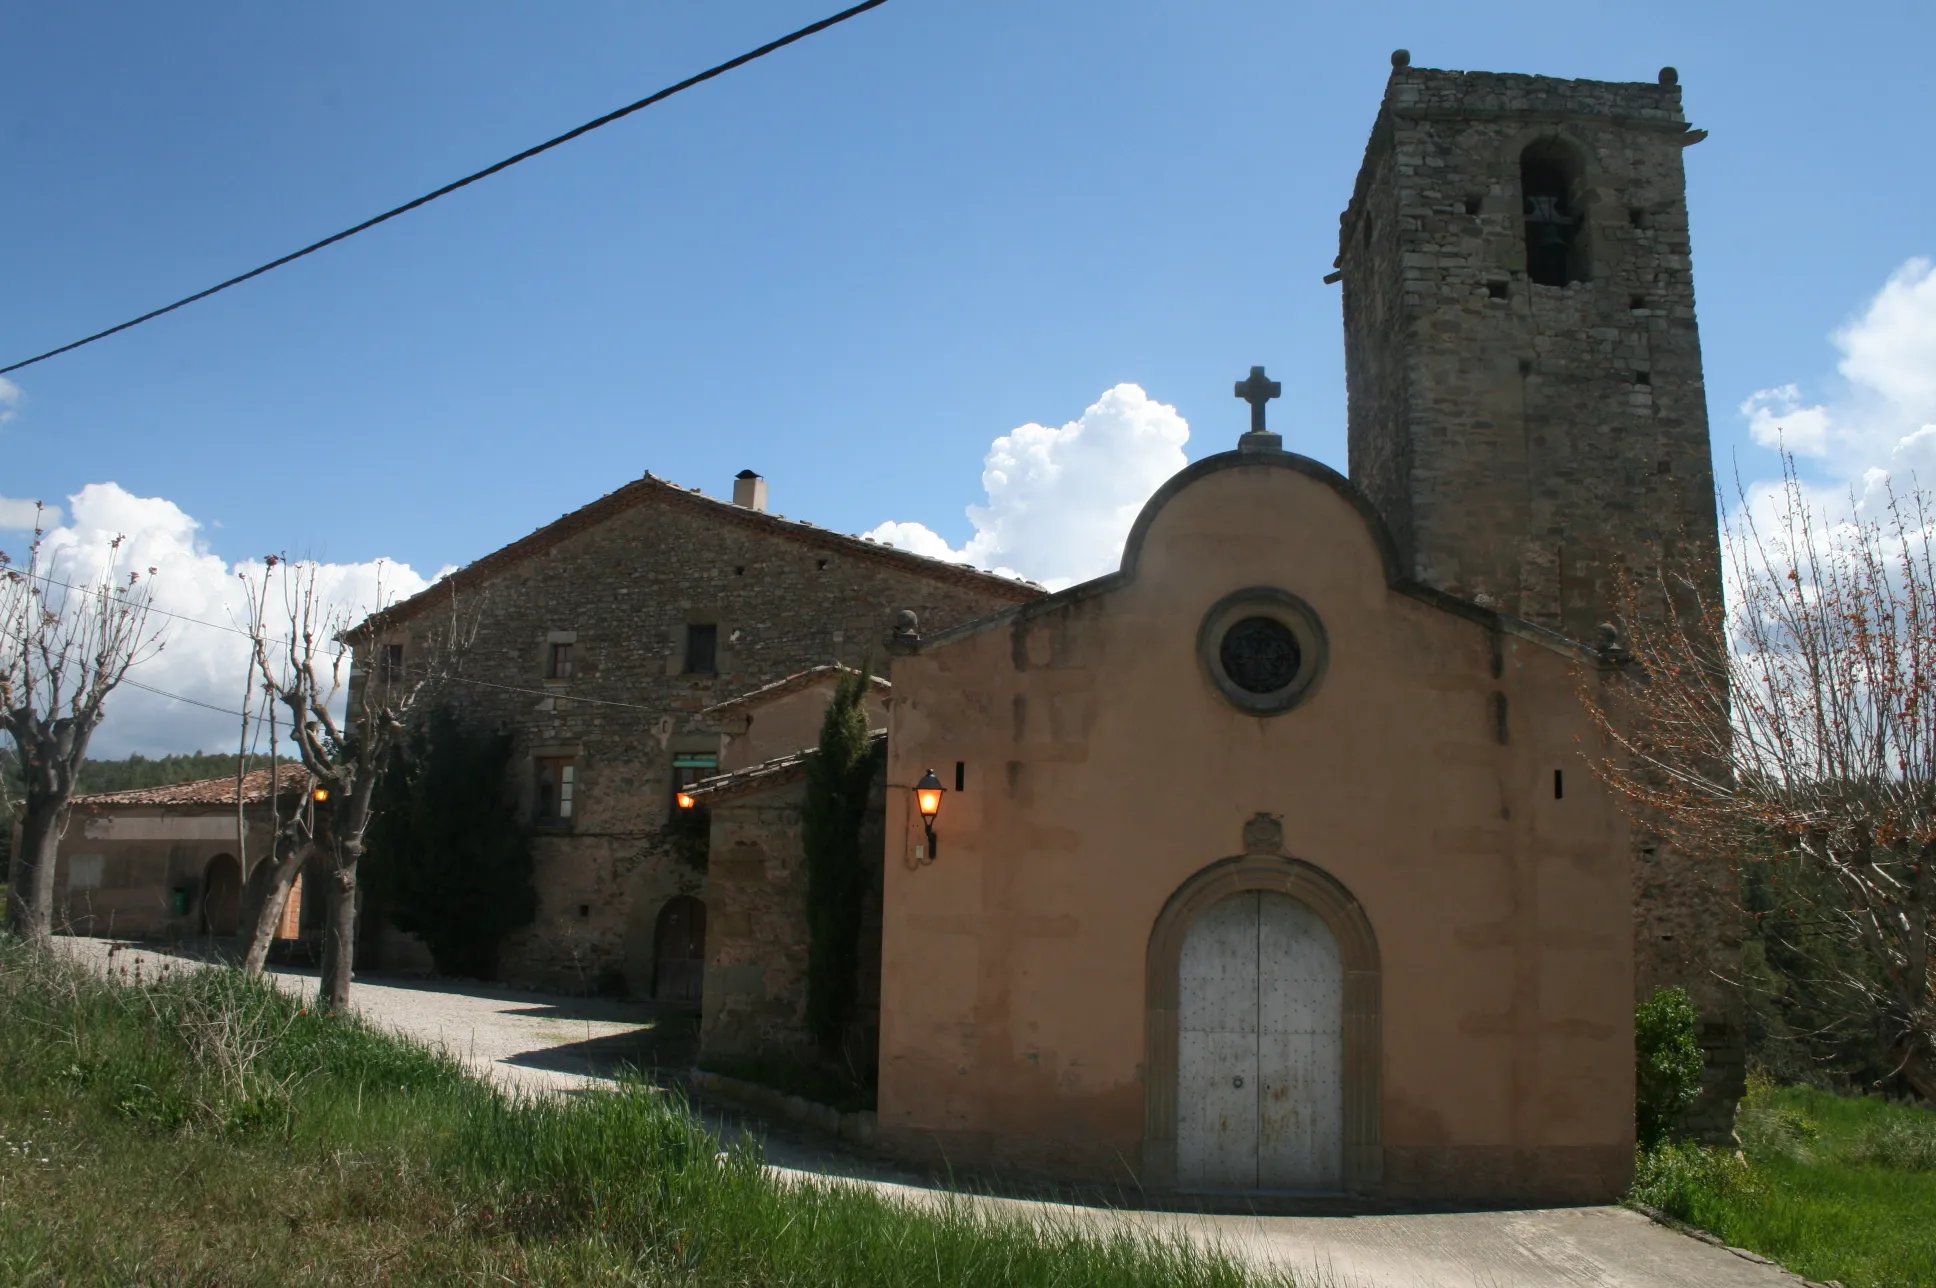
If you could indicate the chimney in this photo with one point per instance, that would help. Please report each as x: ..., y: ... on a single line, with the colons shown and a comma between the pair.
x: 749, y: 490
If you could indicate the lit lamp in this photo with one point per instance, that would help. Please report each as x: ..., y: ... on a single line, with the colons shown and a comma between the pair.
x: 320, y: 795
x: 685, y: 800
x: 927, y: 799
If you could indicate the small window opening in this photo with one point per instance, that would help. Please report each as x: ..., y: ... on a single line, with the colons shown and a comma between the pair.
x: 584, y: 910
x: 1498, y: 290
x: 1525, y: 366
x: 961, y: 775
x: 1637, y: 217
x: 820, y: 564
x: 1559, y: 784
x: 1643, y: 377
x: 739, y: 570
x: 393, y: 663
x: 688, y: 768
x: 1474, y: 204
x: 560, y: 668
x: 1549, y: 180
x: 702, y: 649
x: 1664, y: 467
x: 557, y: 781
x: 1637, y: 303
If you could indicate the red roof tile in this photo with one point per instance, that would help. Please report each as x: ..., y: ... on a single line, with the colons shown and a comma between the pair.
x: 207, y: 791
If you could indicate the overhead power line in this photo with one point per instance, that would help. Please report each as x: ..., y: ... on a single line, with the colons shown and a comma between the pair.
x: 485, y: 173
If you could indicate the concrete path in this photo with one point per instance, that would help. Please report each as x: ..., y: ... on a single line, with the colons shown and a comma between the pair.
x: 543, y: 1043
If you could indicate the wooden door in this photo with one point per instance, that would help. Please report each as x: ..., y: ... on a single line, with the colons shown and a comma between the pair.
x: 679, y: 951
x: 1260, y: 1048
x: 1300, y: 1026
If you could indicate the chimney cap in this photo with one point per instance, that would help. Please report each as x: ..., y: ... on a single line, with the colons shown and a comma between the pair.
x: 746, y: 474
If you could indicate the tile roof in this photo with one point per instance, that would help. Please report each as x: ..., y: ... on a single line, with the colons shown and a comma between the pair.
x: 768, y: 773
x: 654, y: 490
x: 790, y: 684
x: 206, y: 791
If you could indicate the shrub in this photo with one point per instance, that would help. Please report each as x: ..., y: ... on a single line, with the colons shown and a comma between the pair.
x: 449, y: 859
x: 1900, y: 1143
x: 1681, y: 1179
x: 1667, y: 1062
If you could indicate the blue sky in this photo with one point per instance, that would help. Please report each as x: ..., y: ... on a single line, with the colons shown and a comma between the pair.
x: 850, y: 266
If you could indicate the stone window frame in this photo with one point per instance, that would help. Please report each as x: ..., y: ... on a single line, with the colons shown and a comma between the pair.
x: 1363, y: 1072
x: 570, y: 753
x: 548, y: 657
x: 1280, y: 605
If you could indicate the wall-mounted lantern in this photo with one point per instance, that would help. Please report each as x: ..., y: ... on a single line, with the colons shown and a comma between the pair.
x: 686, y: 800
x: 927, y: 799
x: 320, y: 795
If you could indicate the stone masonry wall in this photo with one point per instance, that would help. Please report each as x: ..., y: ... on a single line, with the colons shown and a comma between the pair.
x: 623, y: 590
x: 1526, y: 441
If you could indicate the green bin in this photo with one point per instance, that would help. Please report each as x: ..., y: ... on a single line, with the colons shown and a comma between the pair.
x: 181, y: 901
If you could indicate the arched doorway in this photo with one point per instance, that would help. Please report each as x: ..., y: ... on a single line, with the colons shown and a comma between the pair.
x: 679, y: 951
x: 1260, y: 1048
x: 1316, y: 944
x: 221, y: 895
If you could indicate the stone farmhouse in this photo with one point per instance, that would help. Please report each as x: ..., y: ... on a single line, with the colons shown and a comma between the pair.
x: 168, y: 862
x: 607, y: 642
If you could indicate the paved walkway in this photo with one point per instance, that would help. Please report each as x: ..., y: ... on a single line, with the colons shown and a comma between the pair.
x: 538, y: 1042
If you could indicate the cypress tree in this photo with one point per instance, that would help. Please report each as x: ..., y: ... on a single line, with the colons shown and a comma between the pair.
x: 839, y: 776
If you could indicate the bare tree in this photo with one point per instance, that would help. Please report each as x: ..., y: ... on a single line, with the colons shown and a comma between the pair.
x: 1798, y: 723
x: 63, y: 649
x: 308, y: 673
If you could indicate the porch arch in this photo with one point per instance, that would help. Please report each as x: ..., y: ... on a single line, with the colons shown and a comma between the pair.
x: 1363, y: 1019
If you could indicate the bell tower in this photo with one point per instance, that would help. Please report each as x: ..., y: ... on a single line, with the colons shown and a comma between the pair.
x: 1521, y: 355
x: 1526, y: 405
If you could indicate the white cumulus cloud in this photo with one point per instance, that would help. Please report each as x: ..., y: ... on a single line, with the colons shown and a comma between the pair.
x: 1882, y: 423
x: 22, y: 516
x: 1061, y: 501
x: 197, y: 593
x: 9, y: 399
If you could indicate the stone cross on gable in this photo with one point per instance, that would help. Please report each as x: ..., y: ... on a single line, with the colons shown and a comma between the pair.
x: 1258, y: 390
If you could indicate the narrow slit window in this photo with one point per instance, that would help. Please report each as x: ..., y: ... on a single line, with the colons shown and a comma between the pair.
x: 1559, y: 784
x: 961, y: 775
x: 393, y: 663
x: 560, y: 668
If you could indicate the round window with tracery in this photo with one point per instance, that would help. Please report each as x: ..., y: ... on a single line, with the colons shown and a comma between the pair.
x: 1260, y: 655
x: 1263, y: 648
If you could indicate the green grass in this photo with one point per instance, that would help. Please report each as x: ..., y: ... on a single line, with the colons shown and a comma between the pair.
x: 202, y: 1128
x: 1832, y: 1187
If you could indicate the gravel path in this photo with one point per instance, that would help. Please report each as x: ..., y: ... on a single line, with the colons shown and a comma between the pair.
x: 544, y: 1043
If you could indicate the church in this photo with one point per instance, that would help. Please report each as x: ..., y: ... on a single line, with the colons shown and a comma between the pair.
x: 1269, y: 862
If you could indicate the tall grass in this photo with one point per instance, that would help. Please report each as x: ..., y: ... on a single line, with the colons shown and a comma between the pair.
x: 202, y: 1127
x: 1832, y: 1187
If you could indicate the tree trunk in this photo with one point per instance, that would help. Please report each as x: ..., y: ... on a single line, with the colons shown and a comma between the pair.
x: 339, y: 935
x: 1918, y: 1064
x: 269, y: 898
x: 30, y: 883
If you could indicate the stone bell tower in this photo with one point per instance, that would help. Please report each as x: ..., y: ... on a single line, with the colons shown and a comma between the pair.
x: 1526, y: 402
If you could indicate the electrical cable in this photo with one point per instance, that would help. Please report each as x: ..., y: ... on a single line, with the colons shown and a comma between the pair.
x: 650, y: 99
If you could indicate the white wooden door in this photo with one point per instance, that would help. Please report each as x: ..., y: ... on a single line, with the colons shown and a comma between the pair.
x: 1260, y: 1048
